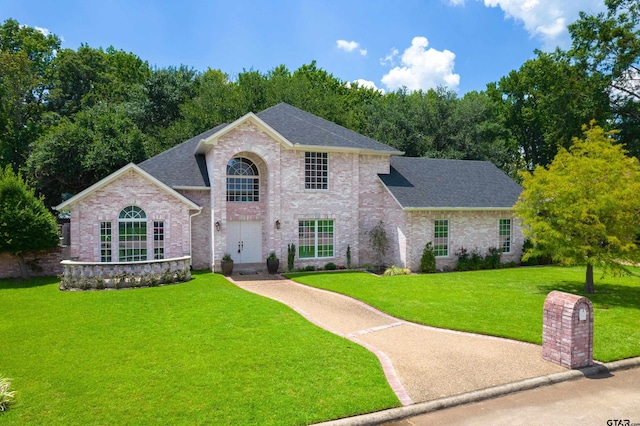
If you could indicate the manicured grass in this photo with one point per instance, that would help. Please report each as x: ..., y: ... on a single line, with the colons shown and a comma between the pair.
x: 506, y: 302
x: 202, y: 352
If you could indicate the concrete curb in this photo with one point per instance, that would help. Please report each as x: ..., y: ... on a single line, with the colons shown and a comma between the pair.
x: 396, y: 414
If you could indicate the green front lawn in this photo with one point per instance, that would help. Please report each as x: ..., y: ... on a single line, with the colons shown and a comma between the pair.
x: 202, y: 352
x: 505, y: 302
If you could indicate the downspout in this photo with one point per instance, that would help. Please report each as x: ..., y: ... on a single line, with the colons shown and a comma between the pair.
x: 191, y: 236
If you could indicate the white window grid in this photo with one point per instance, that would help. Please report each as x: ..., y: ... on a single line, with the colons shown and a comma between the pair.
x: 158, y: 239
x: 315, y: 238
x: 316, y: 170
x: 243, y: 181
x: 132, y: 235
x: 105, y: 242
x: 504, y: 235
x: 441, y: 238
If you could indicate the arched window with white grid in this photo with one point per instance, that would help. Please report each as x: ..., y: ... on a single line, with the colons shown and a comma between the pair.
x: 132, y: 234
x: 243, y: 180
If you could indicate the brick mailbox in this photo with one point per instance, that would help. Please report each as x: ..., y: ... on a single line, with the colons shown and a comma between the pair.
x: 567, y: 330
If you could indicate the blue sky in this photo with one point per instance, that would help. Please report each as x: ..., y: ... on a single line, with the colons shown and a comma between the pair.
x: 463, y: 44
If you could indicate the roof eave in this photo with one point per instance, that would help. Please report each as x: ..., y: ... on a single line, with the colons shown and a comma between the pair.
x: 205, y: 144
x: 458, y: 208
x: 191, y: 188
x: 115, y: 175
x: 363, y: 151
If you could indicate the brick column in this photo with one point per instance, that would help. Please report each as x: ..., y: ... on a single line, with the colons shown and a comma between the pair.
x: 567, y: 330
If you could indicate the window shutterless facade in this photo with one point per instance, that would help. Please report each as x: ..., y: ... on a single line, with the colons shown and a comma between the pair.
x: 105, y: 242
x: 243, y: 180
x: 316, y: 170
x: 315, y: 238
x: 504, y: 235
x: 441, y: 238
x: 132, y: 234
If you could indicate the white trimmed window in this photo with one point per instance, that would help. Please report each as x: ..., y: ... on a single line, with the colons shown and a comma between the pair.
x: 316, y: 170
x: 132, y: 234
x: 315, y: 238
x: 441, y: 238
x: 243, y: 180
x: 105, y: 242
x: 504, y: 235
x: 158, y: 239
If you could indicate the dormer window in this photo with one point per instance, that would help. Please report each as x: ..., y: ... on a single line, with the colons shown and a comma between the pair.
x: 243, y: 180
x: 316, y: 170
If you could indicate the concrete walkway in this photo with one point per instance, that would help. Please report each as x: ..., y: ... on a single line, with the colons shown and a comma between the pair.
x: 421, y: 363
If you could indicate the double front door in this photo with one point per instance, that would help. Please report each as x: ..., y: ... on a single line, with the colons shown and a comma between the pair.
x: 244, y: 241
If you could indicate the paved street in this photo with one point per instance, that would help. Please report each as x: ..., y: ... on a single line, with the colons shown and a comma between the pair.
x: 586, y: 401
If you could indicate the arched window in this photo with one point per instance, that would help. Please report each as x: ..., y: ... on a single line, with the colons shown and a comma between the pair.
x: 132, y: 234
x: 243, y: 181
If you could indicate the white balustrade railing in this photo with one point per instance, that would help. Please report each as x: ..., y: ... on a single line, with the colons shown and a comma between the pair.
x: 146, y: 273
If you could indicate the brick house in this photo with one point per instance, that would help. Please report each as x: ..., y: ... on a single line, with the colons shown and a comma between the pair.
x: 285, y: 176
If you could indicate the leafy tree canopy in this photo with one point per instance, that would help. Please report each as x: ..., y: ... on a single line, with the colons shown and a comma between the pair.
x: 583, y: 209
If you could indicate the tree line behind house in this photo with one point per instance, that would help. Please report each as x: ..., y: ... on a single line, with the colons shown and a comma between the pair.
x: 71, y: 117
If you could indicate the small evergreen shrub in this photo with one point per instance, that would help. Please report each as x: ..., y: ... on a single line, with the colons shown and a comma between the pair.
x: 379, y: 242
x: 291, y: 256
x: 309, y: 268
x: 396, y: 270
x: 492, y: 258
x: 330, y: 266
x: 463, y: 259
x: 476, y: 262
x: 428, y: 260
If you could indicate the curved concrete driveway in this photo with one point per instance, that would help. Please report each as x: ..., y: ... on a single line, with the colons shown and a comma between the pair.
x: 421, y: 363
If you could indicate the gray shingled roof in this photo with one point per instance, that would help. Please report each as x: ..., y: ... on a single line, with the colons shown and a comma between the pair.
x: 437, y: 183
x: 179, y: 165
x: 299, y: 126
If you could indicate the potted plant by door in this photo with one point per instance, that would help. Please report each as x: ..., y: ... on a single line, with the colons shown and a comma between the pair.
x: 227, y: 264
x: 273, y: 263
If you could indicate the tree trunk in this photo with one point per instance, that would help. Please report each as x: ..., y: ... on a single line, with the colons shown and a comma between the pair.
x: 24, y: 271
x: 588, y: 285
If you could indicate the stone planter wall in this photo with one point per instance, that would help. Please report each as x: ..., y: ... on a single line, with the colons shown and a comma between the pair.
x: 115, y: 275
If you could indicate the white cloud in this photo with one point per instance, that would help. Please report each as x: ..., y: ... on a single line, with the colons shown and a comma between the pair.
x: 347, y: 46
x: 546, y: 19
x: 390, y: 58
x: 365, y: 83
x: 422, y: 68
x: 456, y: 2
x: 350, y: 46
x: 44, y: 31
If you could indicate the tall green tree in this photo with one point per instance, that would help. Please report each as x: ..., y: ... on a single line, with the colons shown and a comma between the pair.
x: 607, y: 46
x: 583, y: 209
x: 546, y: 102
x: 26, y: 225
x: 77, y: 153
x: 25, y: 59
x: 88, y: 76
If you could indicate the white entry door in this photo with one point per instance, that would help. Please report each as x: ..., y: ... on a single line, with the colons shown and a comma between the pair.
x: 244, y: 241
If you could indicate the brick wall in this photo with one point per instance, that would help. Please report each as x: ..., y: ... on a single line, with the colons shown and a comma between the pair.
x: 469, y: 229
x: 376, y: 204
x: 48, y: 261
x: 283, y: 196
x: 106, y: 203
x: 200, y: 228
